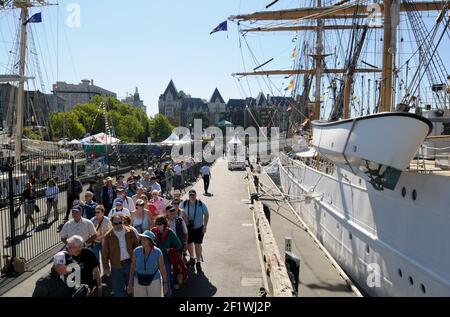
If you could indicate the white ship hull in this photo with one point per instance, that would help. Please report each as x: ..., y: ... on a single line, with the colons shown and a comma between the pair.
x: 389, y: 243
x: 390, y: 139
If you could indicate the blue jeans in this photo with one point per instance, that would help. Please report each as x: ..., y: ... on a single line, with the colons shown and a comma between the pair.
x: 97, y: 247
x: 169, y: 278
x: 120, y: 278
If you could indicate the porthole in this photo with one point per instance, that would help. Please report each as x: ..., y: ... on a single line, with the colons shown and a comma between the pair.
x: 355, y: 148
x: 367, y: 249
x: 350, y: 235
x: 400, y: 273
x: 360, y: 181
x: 403, y: 191
x: 411, y: 281
x: 414, y: 194
x: 422, y: 287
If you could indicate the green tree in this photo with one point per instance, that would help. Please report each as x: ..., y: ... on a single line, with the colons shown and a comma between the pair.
x: 66, y: 124
x: 160, y: 127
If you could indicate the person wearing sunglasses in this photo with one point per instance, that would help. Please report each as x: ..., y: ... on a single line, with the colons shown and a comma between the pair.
x: 158, y: 202
x: 196, y: 215
x: 118, y: 246
x: 102, y: 226
x: 140, y: 218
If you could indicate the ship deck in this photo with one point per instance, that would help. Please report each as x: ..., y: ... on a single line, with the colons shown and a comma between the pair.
x: 428, y: 167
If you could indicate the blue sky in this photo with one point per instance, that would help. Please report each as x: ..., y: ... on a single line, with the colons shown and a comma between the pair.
x: 145, y: 43
x: 124, y: 44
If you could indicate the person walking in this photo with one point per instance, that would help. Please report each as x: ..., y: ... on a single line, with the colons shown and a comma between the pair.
x: 168, y: 178
x: 141, y: 218
x: 53, y: 284
x: 89, y: 205
x: 206, y: 174
x: 118, y: 247
x: 102, y: 226
x: 51, y: 193
x: 128, y: 202
x: 108, y: 194
x: 158, y: 202
x: 74, y: 189
x: 147, y: 269
x: 196, y: 215
x: 118, y: 209
x: 91, y: 188
x: 29, y: 199
x: 88, y: 264
x: 78, y: 226
x: 166, y: 239
x: 177, y: 171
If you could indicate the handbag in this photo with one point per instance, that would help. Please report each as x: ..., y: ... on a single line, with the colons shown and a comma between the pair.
x: 146, y: 279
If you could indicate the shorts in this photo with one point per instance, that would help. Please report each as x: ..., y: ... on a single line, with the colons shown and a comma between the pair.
x: 195, y: 235
x: 29, y: 209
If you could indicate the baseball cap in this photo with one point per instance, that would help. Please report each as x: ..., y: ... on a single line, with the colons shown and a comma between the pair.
x: 192, y: 191
x: 118, y: 201
x: 76, y: 208
x: 60, y: 258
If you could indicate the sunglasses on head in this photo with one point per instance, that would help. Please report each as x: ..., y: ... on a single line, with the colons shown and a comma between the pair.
x: 117, y: 223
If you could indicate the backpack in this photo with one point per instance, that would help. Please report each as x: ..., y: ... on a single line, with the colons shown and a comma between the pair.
x: 179, y: 228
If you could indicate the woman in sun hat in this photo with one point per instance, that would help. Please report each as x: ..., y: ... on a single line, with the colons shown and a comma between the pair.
x: 147, y: 269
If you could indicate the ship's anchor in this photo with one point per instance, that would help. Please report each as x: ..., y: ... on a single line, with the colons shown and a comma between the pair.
x: 374, y: 176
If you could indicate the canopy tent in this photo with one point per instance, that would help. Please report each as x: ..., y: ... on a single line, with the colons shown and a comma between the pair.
x: 224, y: 123
x: 172, y: 139
x: 75, y: 142
x: 235, y: 140
x: 63, y: 142
x: 101, y: 138
x: 186, y: 139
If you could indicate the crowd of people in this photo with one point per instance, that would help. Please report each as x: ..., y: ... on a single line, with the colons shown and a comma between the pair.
x: 135, y: 232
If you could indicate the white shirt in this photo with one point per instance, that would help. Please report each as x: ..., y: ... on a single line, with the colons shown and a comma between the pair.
x: 84, y: 228
x: 114, y: 211
x: 104, y: 227
x: 204, y: 170
x: 124, y: 255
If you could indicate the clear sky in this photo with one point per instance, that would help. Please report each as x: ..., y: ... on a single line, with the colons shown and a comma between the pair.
x: 145, y: 43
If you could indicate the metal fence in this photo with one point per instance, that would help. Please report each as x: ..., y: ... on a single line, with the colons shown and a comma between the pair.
x: 21, y: 241
x: 18, y: 239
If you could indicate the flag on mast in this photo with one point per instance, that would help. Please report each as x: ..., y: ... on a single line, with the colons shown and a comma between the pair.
x: 294, y: 53
x: 221, y: 27
x: 35, y: 18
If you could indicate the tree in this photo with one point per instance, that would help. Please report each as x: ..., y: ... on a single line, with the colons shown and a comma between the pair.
x: 160, y: 127
x: 66, y: 124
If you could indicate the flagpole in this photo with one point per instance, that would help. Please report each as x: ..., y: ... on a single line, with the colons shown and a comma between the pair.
x: 20, y: 95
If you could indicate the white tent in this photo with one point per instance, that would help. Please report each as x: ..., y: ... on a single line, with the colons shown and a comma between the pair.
x: 63, y: 142
x: 235, y: 140
x: 172, y: 139
x: 101, y: 138
x: 186, y: 139
x: 74, y: 142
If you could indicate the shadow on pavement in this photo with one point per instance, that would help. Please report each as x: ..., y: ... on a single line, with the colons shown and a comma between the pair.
x: 197, y: 285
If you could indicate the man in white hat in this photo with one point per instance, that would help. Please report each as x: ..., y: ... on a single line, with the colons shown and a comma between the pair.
x: 55, y: 283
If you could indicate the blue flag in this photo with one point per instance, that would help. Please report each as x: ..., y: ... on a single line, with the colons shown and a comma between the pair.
x: 35, y: 18
x: 221, y: 27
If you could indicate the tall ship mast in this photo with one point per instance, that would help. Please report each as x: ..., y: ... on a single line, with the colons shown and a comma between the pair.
x: 374, y: 177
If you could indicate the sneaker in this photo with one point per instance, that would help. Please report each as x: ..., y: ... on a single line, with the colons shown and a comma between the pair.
x: 198, y: 267
x: 191, y: 261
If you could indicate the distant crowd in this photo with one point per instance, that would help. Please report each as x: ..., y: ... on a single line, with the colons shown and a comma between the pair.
x: 135, y: 232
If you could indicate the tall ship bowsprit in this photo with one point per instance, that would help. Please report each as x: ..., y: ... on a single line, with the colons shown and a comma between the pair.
x: 371, y: 98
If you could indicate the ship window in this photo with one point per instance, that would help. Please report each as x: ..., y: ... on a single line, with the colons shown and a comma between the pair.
x: 414, y: 194
x: 367, y: 249
x: 350, y: 235
x: 403, y: 191
x: 355, y: 148
x: 422, y: 287
x: 400, y: 273
x: 411, y: 281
